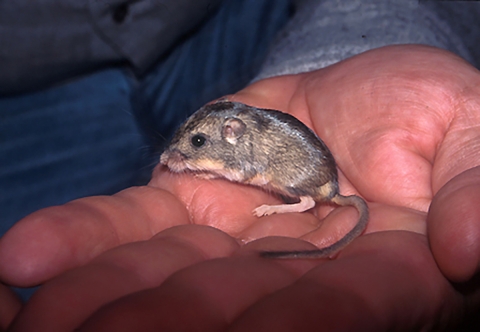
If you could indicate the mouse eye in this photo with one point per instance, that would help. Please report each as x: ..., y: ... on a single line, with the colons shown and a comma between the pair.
x: 198, y: 140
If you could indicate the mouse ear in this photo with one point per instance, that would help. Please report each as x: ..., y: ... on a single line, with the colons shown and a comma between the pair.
x: 233, y: 129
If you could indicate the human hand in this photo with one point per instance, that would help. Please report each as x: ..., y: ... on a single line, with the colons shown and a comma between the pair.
x: 9, y: 306
x: 400, y: 122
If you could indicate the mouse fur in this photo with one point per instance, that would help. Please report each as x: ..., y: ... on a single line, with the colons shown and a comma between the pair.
x: 265, y: 148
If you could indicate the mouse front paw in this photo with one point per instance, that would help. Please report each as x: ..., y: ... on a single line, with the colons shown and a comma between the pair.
x: 205, y: 176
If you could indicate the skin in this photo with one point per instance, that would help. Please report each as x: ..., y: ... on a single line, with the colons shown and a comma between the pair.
x: 9, y: 306
x: 402, y: 123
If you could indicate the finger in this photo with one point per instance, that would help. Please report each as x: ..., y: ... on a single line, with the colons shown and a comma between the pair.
x: 454, y: 226
x: 205, y: 297
x: 360, y: 291
x: 218, y: 203
x: 117, y: 272
x: 208, y: 204
x: 55, y: 239
x: 10, y: 305
x: 365, y: 289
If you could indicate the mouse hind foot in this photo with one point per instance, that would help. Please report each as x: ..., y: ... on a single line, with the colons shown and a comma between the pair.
x: 306, y: 203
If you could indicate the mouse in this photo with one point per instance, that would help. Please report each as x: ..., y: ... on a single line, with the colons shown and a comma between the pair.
x: 265, y: 148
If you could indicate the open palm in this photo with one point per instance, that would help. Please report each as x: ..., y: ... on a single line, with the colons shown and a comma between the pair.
x: 402, y: 123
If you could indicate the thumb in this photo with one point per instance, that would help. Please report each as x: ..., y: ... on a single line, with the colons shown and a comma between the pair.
x: 454, y: 226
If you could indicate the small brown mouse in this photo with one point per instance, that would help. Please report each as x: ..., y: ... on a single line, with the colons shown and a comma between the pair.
x: 265, y: 148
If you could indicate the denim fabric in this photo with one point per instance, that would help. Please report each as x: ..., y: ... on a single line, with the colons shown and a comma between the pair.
x: 67, y: 142
x: 95, y: 135
x: 101, y: 133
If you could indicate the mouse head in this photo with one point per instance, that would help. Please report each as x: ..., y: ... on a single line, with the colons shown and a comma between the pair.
x: 214, y: 139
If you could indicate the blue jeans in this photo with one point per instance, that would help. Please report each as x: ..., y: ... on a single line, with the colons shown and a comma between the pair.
x: 103, y: 132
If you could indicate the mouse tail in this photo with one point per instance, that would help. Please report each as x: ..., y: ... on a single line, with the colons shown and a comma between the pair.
x: 356, y: 231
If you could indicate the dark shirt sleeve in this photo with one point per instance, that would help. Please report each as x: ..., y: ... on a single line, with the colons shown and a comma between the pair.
x: 324, y: 32
x: 44, y: 42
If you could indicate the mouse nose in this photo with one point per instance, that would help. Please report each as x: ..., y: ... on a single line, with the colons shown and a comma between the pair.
x: 174, y: 159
